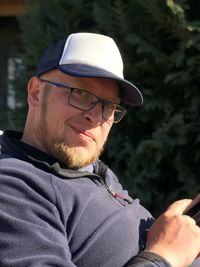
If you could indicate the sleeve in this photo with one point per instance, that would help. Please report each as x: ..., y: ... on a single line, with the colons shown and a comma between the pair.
x: 148, y: 259
x: 31, y: 232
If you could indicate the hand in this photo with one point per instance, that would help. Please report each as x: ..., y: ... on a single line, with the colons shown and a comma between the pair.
x: 174, y: 236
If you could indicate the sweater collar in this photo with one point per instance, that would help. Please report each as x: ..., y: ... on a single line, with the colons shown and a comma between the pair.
x: 31, y: 154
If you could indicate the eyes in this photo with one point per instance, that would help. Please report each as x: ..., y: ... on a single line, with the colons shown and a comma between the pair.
x: 111, y: 106
x: 85, y: 100
x: 88, y: 98
x: 84, y: 96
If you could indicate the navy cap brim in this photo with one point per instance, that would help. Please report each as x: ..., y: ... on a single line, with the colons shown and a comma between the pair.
x: 129, y: 93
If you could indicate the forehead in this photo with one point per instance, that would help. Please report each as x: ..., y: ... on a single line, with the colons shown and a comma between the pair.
x: 103, y: 87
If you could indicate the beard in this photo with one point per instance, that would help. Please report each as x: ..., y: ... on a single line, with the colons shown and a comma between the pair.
x: 72, y: 157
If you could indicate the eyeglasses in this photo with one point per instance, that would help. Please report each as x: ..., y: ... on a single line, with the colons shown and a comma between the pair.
x: 83, y: 99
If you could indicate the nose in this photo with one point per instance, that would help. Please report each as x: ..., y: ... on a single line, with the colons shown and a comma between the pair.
x: 95, y: 114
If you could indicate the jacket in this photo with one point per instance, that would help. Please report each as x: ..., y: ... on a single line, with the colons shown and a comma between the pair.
x: 53, y: 216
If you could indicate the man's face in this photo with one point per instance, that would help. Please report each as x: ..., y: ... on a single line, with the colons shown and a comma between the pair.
x: 73, y: 136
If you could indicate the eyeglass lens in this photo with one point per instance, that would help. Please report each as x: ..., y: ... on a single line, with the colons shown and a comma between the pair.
x: 86, y: 101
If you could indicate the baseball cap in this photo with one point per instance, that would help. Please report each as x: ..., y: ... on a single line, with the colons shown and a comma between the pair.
x: 90, y: 55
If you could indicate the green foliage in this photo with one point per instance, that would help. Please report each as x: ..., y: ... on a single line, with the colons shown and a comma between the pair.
x: 155, y: 150
x: 161, y: 150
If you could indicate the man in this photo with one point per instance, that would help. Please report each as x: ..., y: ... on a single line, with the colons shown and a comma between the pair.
x: 60, y: 205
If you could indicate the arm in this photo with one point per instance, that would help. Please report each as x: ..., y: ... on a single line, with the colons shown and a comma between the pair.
x: 30, y: 230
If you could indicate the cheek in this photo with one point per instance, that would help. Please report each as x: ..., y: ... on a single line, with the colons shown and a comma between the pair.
x: 105, y: 131
x: 59, y: 114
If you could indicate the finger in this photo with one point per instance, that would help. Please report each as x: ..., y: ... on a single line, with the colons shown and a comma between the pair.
x: 178, y: 207
x: 189, y: 219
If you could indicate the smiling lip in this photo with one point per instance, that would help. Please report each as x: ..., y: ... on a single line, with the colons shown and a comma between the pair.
x: 84, y: 133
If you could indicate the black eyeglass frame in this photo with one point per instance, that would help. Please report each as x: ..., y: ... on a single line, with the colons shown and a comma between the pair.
x: 102, y: 101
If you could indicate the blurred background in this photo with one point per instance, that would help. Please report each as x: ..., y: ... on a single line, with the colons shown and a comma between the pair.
x: 155, y: 150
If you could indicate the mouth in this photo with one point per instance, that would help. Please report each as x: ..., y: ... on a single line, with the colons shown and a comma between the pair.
x: 84, y: 134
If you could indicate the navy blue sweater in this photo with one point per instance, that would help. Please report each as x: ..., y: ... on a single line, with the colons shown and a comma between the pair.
x: 53, y: 216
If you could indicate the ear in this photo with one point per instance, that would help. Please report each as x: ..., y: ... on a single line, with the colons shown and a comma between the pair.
x: 34, y: 91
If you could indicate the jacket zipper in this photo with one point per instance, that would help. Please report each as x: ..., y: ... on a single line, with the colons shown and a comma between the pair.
x: 122, y: 200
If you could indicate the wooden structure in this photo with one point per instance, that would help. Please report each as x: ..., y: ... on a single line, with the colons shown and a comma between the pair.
x: 11, y: 8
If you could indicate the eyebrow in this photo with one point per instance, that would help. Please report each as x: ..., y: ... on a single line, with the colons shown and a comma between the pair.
x: 115, y: 100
